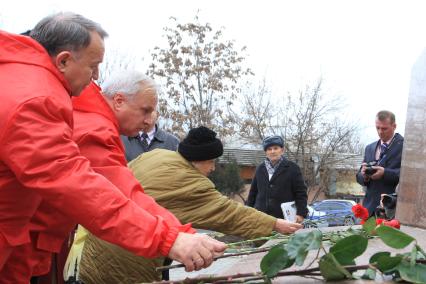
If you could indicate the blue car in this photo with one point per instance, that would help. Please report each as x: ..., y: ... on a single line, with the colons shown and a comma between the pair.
x: 337, y: 212
x: 315, y: 219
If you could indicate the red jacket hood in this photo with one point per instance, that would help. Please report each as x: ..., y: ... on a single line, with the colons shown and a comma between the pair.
x: 92, y: 100
x: 25, y: 50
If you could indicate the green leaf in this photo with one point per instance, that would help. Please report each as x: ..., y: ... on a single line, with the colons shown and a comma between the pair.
x: 393, y: 237
x: 275, y: 260
x: 300, y: 244
x: 386, y: 263
x: 347, y: 249
x: 374, y: 257
x: 369, y: 225
x: 413, y: 255
x: 335, y: 238
x: 315, y: 237
x: 331, y: 270
x: 267, y: 280
x: 420, y: 250
x: 369, y: 274
x: 414, y: 274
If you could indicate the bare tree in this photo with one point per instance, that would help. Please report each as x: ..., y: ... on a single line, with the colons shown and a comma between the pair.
x: 315, y: 131
x: 316, y: 127
x: 257, y: 113
x: 117, y: 60
x: 200, y: 73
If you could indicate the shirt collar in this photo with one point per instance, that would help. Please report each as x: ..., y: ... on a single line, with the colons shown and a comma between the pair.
x: 150, y: 134
x: 389, y: 141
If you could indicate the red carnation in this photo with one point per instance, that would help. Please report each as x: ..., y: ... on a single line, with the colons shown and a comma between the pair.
x: 360, y: 211
x: 392, y: 223
x: 379, y: 221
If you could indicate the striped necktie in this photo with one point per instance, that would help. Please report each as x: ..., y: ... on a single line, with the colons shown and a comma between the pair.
x: 144, y: 141
x: 383, y: 149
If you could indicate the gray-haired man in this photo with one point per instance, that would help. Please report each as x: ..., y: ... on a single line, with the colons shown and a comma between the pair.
x: 40, y: 162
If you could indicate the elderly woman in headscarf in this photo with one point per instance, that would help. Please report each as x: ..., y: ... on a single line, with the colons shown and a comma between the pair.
x: 178, y: 181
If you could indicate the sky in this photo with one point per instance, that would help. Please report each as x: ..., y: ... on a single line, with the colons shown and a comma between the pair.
x: 363, y: 50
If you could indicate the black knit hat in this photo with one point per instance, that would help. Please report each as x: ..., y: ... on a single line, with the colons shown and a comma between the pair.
x: 272, y: 140
x: 200, y: 144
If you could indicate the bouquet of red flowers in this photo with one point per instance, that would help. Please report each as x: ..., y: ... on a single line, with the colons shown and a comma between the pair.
x: 362, y: 213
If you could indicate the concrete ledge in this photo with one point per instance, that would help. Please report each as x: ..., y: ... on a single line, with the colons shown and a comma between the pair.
x: 251, y: 263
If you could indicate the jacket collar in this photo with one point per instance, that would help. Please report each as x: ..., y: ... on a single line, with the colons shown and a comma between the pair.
x: 396, y: 138
x: 159, y: 135
x: 25, y: 50
x: 92, y: 100
x: 281, y: 168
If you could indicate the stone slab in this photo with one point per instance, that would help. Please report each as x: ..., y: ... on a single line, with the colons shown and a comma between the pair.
x: 251, y: 263
x: 411, y: 209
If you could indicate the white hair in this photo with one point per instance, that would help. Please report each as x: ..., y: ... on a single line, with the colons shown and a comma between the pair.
x: 127, y: 83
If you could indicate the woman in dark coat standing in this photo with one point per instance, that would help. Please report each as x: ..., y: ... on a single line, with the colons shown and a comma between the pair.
x: 277, y: 180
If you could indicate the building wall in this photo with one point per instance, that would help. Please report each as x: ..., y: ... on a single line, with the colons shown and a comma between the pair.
x: 247, y: 172
x: 346, y: 183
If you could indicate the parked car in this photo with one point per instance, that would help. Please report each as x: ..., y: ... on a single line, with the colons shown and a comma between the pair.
x: 337, y: 212
x: 315, y: 219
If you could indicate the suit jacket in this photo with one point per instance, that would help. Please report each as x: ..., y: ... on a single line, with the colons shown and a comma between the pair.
x: 286, y: 185
x: 161, y: 140
x: 392, y: 164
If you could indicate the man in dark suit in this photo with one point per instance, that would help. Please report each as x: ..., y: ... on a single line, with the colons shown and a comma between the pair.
x: 380, y: 169
x: 278, y: 180
x: 150, y: 138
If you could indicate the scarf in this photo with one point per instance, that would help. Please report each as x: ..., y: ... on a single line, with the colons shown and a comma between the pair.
x: 272, y: 168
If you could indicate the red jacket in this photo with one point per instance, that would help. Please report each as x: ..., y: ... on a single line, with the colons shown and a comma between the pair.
x: 96, y: 132
x: 39, y: 160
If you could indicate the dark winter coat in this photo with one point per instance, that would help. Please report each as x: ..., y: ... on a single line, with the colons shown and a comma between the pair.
x: 286, y: 185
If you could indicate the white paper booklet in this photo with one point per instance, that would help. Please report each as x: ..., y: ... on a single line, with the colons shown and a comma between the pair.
x: 289, y: 211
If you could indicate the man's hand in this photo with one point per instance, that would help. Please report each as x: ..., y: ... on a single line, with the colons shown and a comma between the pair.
x: 380, y: 171
x: 299, y: 219
x: 195, y: 251
x: 363, y: 167
x: 285, y: 227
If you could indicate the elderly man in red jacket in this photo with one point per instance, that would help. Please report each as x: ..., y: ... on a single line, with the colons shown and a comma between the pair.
x: 124, y: 106
x: 40, y: 162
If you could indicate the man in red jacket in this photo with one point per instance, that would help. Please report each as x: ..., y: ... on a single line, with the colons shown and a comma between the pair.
x: 125, y: 106
x: 40, y: 162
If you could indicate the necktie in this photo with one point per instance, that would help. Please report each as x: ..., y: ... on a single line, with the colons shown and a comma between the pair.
x: 383, y: 149
x: 144, y: 141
